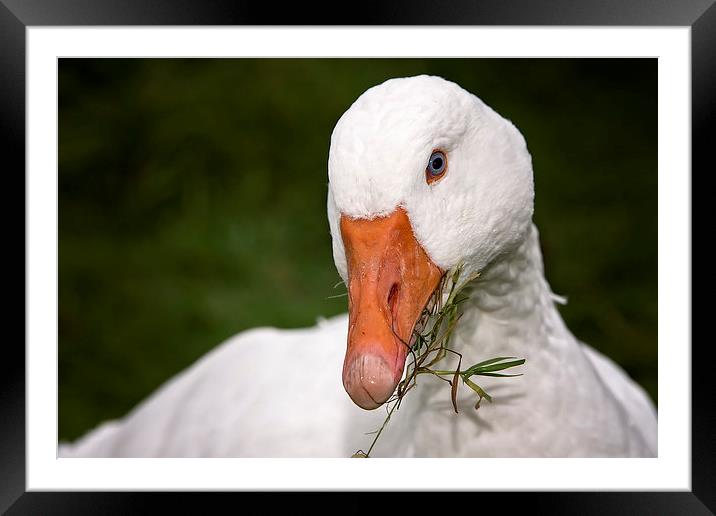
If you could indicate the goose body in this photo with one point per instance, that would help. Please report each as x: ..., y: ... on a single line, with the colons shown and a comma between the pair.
x: 279, y: 393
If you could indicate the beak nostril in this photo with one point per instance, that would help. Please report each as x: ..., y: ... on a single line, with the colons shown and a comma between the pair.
x: 392, y: 298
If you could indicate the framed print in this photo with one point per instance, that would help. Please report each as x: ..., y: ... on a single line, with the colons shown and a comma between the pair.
x: 178, y: 167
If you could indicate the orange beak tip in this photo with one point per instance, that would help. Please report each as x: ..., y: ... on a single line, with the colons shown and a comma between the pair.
x: 369, y: 380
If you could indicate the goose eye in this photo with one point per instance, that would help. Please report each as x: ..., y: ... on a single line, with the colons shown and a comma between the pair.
x: 437, y: 164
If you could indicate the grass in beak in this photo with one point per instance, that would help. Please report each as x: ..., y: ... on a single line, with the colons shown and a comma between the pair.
x: 430, y: 344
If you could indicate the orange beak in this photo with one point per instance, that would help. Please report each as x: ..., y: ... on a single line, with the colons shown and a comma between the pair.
x: 391, y: 279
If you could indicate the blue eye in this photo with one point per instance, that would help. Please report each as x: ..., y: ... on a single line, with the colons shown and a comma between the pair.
x: 436, y: 166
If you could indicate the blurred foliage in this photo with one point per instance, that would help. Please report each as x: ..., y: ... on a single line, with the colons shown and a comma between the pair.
x: 192, y: 205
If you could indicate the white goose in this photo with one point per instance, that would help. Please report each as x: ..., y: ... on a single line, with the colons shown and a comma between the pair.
x: 396, y: 226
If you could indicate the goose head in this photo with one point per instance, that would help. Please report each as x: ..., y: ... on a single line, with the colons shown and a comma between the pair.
x: 423, y: 176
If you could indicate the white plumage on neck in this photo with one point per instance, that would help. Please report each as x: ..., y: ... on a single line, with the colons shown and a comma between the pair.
x: 570, y: 401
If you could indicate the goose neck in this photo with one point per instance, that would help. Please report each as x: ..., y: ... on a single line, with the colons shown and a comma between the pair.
x: 511, y: 308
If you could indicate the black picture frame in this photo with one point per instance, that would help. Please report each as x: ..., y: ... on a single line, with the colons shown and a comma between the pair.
x: 17, y: 15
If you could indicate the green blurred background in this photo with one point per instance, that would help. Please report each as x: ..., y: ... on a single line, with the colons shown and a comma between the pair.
x: 192, y: 205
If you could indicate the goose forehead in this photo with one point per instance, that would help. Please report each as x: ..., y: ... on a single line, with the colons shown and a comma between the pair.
x: 399, y: 112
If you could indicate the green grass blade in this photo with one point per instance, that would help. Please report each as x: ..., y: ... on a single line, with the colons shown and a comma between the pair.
x: 453, y: 386
x: 499, y: 375
x: 501, y: 366
x: 491, y: 361
x: 477, y: 389
x: 494, y: 367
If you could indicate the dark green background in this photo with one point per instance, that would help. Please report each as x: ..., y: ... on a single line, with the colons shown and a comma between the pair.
x: 192, y: 205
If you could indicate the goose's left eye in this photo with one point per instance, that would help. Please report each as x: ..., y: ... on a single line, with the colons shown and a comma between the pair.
x: 437, y: 165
